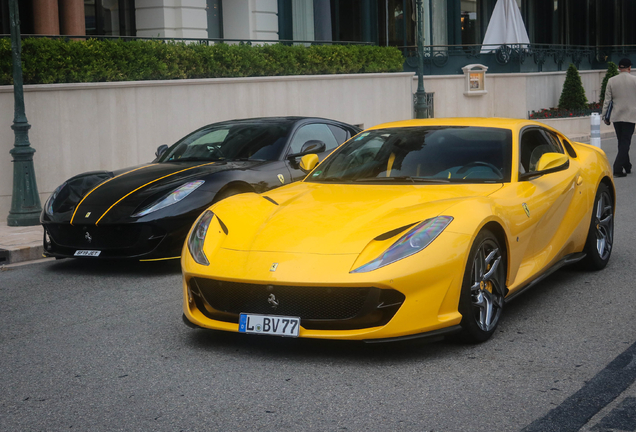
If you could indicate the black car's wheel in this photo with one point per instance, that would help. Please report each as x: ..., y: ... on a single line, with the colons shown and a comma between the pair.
x: 483, y: 289
x: 600, y: 237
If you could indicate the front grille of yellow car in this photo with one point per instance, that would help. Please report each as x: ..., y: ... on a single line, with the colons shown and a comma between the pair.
x: 319, y: 307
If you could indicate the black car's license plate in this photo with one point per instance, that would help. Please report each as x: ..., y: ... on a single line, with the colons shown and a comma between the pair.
x: 269, y: 325
x: 92, y: 253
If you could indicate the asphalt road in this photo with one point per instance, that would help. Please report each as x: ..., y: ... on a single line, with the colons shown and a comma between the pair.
x: 94, y: 346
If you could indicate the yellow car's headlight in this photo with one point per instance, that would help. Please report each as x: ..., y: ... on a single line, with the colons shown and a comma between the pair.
x: 197, y: 238
x: 416, y: 239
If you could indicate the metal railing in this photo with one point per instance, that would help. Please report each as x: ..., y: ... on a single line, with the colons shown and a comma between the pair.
x: 442, y: 59
x: 430, y: 104
x: 449, y: 59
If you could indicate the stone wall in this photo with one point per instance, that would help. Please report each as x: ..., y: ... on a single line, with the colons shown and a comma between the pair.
x: 509, y: 95
x: 103, y: 126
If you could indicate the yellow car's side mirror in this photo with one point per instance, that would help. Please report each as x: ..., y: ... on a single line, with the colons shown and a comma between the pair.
x: 550, y: 161
x: 308, y: 162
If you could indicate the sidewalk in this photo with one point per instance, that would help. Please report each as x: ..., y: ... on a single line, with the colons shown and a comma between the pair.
x: 583, y: 137
x: 19, y: 244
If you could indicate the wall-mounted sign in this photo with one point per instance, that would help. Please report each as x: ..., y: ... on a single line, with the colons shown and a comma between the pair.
x: 475, y: 80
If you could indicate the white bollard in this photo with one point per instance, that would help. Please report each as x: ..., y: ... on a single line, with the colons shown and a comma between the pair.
x: 595, y: 130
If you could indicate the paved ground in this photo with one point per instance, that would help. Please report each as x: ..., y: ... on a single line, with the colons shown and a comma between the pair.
x: 93, y: 346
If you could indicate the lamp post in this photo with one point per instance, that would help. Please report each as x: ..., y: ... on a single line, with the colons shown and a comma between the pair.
x: 25, y: 202
x: 421, y: 110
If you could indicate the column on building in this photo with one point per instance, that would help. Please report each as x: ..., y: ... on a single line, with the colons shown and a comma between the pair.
x: 111, y: 17
x: 439, y: 22
x: 72, y: 19
x: 172, y: 18
x: 250, y: 20
x: 322, y: 20
x: 303, y: 19
x: 45, y: 17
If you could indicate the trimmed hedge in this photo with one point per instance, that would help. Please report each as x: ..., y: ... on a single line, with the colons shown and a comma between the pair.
x: 48, y: 61
x: 573, y: 94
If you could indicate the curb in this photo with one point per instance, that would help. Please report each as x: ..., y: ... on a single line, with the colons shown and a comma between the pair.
x: 21, y: 254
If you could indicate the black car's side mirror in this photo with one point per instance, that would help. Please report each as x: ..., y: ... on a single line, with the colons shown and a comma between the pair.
x: 311, y: 146
x: 161, y: 150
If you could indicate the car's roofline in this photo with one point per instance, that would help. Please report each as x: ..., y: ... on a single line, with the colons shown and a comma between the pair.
x: 281, y: 119
x: 504, y: 123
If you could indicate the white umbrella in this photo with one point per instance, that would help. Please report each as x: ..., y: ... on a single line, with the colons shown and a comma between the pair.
x: 505, y: 28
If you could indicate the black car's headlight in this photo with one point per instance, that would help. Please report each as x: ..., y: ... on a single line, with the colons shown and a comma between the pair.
x: 197, y: 238
x: 416, y: 239
x: 172, y: 198
x: 48, y: 205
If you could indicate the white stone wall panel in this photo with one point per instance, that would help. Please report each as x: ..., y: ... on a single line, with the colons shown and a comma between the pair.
x: 104, y: 126
x: 266, y: 6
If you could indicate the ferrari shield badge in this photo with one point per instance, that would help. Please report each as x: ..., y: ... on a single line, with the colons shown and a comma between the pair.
x: 273, y: 267
x: 281, y: 178
x: 87, y: 215
x: 526, y: 209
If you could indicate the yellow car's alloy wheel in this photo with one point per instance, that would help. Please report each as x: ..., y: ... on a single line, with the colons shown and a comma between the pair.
x: 483, y: 291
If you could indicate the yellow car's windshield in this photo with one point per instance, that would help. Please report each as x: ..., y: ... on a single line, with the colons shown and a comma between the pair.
x: 437, y: 154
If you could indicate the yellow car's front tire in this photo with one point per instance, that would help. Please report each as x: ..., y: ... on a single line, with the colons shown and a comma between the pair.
x: 483, y: 289
x: 600, y: 238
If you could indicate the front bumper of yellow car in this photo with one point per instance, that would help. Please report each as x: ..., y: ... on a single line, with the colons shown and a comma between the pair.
x: 416, y: 296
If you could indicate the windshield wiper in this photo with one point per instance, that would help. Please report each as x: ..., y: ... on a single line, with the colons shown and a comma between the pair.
x: 402, y: 179
x: 195, y: 159
x: 330, y: 179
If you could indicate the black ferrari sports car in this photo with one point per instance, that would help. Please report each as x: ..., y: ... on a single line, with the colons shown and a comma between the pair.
x: 145, y: 212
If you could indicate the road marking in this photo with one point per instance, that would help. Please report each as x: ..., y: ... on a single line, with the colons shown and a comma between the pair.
x: 579, y: 408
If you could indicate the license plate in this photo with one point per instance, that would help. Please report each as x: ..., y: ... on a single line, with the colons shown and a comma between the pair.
x: 269, y: 325
x: 89, y: 253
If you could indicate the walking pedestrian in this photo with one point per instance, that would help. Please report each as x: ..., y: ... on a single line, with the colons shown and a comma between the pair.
x: 621, y: 91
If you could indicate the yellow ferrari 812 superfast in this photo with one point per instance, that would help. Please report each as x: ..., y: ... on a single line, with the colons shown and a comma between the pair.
x: 409, y: 229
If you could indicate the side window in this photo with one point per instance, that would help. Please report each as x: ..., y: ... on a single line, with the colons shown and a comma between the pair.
x: 341, y: 134
x: 534, y: 143
x: 556, y: 143
x: 569, y: 148
x: 316, y: 131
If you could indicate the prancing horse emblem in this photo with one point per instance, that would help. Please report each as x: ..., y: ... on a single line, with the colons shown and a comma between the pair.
x: 281, y: 178
x: 88, y: 237
x: 87, y: 215
x: 273, y: 267
x: 526, y: 209
x: 272, y: 301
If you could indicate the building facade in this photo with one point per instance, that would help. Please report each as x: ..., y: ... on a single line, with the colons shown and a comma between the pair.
x: 384, y: 22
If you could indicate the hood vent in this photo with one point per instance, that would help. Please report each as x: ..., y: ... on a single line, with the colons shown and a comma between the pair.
x: 270, y: 200
x: 393, y: 233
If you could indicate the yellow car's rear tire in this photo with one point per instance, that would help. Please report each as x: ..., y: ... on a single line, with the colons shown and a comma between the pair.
x: 483, y: 289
